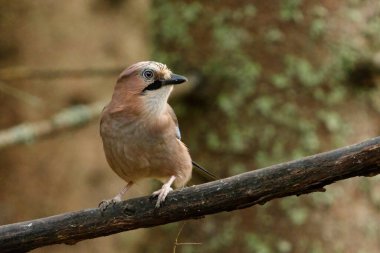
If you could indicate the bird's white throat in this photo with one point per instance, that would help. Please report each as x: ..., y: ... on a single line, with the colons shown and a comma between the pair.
x: 155, y: 101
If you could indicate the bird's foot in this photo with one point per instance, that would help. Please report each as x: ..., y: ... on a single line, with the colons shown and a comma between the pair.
x: 108, y: 202
x: 111, y: 202
x: 161, y: 194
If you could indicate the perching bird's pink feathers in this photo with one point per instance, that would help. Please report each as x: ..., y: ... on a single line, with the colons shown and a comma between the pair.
x: 140, y: 133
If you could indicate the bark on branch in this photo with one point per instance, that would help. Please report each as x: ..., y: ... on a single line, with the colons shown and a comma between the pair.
x: 241, y: 191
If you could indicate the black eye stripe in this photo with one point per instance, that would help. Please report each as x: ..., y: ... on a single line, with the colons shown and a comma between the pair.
x: 153, y: 86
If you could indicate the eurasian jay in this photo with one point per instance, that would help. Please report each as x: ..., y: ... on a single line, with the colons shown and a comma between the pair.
x: 140, y: 132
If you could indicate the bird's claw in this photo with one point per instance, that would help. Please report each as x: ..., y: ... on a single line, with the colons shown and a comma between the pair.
x: 161, y: 194
x: 108, y: 202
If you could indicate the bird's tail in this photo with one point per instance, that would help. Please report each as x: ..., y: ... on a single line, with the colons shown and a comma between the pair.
x: 203, y: 172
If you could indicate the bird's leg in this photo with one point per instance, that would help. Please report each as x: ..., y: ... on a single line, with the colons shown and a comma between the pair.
x: 105, y: 203
x: 163, y: 192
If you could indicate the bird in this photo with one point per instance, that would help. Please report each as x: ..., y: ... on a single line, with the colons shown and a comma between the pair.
x: 140, y: 133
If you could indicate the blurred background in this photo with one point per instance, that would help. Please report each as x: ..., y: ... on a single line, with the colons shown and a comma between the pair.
x: 273, y: 81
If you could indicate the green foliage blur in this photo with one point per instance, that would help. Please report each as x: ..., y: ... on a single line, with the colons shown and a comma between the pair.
x: 275, y: 81
x: 274, y: 100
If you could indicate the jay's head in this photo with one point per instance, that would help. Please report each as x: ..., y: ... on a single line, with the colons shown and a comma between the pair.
x: 147, y: 84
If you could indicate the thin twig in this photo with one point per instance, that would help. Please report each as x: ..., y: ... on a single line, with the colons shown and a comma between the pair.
x: 176, y: 239
x: 20, y: 94
x: 176, y: 243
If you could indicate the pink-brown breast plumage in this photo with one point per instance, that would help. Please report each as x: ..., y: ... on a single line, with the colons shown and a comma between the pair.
x: 144, y: 148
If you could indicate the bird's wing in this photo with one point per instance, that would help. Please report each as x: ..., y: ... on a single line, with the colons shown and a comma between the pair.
x: 200, y: 170
x: 174, y: 117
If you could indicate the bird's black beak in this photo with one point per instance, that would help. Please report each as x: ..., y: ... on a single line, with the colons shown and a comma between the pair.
x: 174, y: 79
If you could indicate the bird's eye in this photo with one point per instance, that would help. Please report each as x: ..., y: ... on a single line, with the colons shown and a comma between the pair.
x: 148, y: 74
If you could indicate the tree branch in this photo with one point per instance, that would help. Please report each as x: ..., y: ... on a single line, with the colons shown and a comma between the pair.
x: 68, y: 118
x: 241, y: 191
